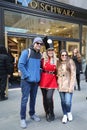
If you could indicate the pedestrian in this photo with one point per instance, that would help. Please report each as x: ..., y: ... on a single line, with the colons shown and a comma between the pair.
x: 5, y: 71
x: 29, y: 67
x: 76, y: 56
x: 12, y: 59
x: 66, y: 81
x: 48, y: 82
x: 86, y: 73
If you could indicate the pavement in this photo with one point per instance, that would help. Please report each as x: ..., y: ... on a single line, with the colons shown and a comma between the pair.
x: 10, y: 112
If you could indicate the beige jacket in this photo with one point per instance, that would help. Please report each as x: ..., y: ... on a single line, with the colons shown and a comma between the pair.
x: 66, y: 79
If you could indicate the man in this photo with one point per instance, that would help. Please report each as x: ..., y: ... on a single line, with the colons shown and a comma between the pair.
x: 29, y: 67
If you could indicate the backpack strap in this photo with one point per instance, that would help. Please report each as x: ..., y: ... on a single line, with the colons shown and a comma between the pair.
x: 29, y: 52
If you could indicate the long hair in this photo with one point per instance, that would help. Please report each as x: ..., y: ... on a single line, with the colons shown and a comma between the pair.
x: 67, y: 62
x: 78, y: 55
x: 46, y: 57
x: 3, y: 50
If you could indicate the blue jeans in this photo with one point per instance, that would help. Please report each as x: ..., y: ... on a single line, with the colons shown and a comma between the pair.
x: 26, y: 89
x: 66, y: 102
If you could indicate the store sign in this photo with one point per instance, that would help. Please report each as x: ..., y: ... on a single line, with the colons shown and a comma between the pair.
x: 50, y: 8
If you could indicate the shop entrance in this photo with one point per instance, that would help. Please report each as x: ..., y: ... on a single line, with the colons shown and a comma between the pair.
x: 15, y: 45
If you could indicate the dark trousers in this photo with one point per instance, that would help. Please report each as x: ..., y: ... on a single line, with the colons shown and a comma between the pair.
x: 78, y: 80
x: 48, y: 100
x: 3, y: 82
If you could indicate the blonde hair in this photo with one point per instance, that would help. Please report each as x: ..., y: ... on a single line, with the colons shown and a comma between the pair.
x: 46, y: 57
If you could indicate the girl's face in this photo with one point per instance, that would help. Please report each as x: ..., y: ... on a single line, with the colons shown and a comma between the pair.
x: 63, y: 56
x: 50, y: 52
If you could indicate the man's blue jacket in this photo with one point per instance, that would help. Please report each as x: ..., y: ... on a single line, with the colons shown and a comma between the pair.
x: 30, y: 66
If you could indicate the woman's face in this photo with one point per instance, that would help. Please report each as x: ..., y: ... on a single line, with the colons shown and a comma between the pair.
x: 75, y: 51
x: 63, y: 56
x: 50, y: 52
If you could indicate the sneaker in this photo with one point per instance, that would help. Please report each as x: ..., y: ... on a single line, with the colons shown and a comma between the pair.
x: 64, y: 119
x: 23, y: 124
x: 35, y: 118
x: 69, y: 116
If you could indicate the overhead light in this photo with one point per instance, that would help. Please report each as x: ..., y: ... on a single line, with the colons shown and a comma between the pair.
x: 57, y: 30
x: 48, y: 30
x: 65, y: 28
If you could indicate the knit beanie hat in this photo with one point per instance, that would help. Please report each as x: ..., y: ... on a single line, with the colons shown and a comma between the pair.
x: 38, y: 40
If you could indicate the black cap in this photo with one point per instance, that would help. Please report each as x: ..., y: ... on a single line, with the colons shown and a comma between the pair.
x: 48, y: 43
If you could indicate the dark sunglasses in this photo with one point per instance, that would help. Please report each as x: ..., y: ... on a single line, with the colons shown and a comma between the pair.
x: 63, y: 55
x: 39, y: 43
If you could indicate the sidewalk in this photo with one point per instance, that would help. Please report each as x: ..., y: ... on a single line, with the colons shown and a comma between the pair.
x: 10, y: 110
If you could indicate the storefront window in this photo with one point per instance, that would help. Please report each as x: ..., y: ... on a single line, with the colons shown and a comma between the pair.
x: 17, y: 22
x: 84, y: 41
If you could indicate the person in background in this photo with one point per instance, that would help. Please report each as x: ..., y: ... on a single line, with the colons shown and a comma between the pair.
x: 76, y: 56
x: 30, y: 77
x: 48, y: 81
x: 12, y: 59
x: 66, y: 82
x: 86, y: 73
x: 5, y: 71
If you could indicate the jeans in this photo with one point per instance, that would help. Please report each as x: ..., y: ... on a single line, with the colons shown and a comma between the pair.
x: 66, y: 102
x: 26, y: 89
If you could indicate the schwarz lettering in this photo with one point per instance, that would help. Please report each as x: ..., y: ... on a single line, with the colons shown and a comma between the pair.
x: 50, y: 8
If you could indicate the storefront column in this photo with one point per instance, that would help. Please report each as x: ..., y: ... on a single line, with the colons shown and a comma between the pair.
x: 2, y: 38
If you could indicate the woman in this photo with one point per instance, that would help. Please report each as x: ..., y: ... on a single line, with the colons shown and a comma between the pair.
x: 48, y: 82
x: 66, y: 81
x: 77, y: 59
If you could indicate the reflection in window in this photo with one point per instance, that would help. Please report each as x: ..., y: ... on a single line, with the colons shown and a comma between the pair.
x: 17, y: 22
x: 21, y: 2
x: 84, y: 47
x: 24, y: 2
x: 84, y: 41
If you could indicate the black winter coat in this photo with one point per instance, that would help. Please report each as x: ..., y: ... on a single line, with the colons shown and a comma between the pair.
x: 5, y: 64
x: 78, y: 65
x: 86, y: 72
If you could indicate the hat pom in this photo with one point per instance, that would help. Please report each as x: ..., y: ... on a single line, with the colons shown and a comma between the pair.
x: 48, y: 43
